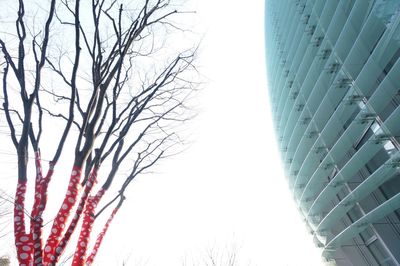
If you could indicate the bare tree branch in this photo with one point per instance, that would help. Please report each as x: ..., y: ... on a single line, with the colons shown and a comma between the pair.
x: 106, y: 68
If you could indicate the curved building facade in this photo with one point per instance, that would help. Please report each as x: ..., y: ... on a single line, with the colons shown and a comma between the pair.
x: 334, y: 82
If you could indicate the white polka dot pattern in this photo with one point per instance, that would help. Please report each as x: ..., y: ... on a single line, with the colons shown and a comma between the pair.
x: 100, y: 237
x: 39, y: 205
x: 88, y: 219
x: 29, y: 246
x: 84, y: 196
x: 22, y: 239
x: 62, y: 215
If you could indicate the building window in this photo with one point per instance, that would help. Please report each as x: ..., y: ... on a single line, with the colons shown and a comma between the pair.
x: 380, y: 254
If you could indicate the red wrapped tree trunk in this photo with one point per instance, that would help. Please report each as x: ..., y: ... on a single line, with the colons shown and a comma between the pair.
x: 100, y: 237
x: 36, y: 224
x: 38, y: 208
x: 23, y: 241
x: 87, y: 224
x: 71, y: 228
x: 62, y: 215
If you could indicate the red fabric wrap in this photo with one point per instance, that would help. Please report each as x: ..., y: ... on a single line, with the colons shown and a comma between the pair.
x: 62, y: 216
x: 23, y: 241
x: 100, y: 237
x: 71, y: 228
x: 35, y: 225
x: 84, y: 237
x: 39, y: 205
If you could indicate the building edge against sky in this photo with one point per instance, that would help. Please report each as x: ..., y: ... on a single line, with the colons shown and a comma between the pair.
x: 334, y: 79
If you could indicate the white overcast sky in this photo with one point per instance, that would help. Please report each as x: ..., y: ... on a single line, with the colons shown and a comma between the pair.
x: 227, y: 190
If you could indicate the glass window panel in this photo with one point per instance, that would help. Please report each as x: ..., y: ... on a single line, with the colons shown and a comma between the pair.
x: 379, y: 252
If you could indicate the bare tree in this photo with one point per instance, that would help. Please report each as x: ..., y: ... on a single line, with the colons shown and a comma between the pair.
x: 100, y: 71
x: 216, y: 257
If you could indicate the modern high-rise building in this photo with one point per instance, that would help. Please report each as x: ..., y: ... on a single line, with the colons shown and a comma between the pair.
x: 334, y: 82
